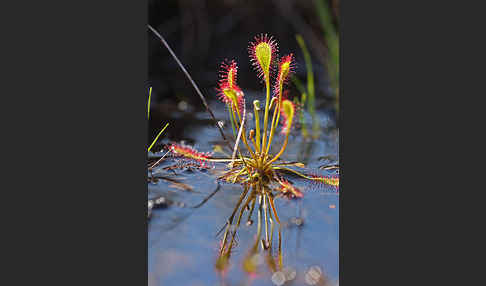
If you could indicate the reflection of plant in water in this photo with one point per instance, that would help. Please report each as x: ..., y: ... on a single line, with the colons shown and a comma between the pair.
x: 251, y: 261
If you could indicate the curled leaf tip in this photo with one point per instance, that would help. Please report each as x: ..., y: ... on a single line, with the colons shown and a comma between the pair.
x: 262, y: 53
x: 228, y: 73
x: 256, y: 104
x: 228, y: 90
x: 286, y: 68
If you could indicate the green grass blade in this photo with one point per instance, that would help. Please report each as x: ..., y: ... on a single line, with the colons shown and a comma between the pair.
x: 332, y: 40
x: 148, y: 105
x: 310, y: 73
x: 310, y: 88
x: 156, y: 138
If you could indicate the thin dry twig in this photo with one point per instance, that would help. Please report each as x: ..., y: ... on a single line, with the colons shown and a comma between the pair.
x: 192, y: 82
x: 156, y: 163
x: 239, y: 136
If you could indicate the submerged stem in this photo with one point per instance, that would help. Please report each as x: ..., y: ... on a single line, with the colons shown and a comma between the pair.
x: 230, y: 220
x: 251, y: 209
x: 266, y: 220
x: 272, y: 226
x: 280, y: 262
x: 270, y: 199
x: 240, y: 215
x: 259, y: 227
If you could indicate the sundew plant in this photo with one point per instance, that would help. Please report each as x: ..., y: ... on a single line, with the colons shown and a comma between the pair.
x: 262, y: 174
x: 252, y: 165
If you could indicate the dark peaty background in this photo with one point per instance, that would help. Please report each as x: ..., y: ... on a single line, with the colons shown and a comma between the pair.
x: 204, y: 33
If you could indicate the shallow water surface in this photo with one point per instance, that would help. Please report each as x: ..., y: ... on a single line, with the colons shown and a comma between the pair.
x: 183, y: 241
